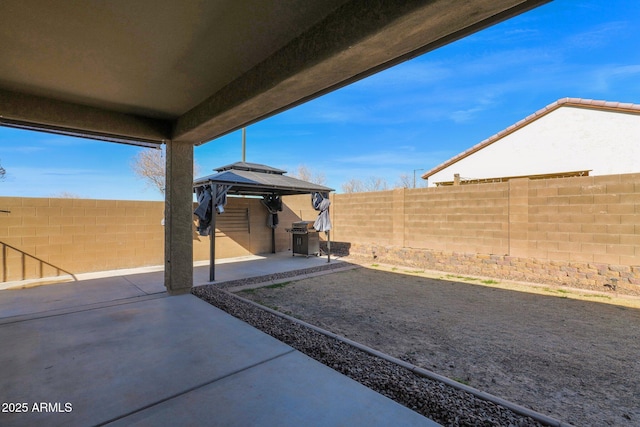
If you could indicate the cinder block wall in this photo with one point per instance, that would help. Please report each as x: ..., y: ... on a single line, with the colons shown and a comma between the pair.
x: 587, y: 219
x: 84, y: 235
x: 241, y: 230
x: 233, y: 239
x: 440, y: 218
x: 364, y: 217
x: 457, y: 219
x: 78, y: 235
x: 582, y: 232
x: 579, y: 231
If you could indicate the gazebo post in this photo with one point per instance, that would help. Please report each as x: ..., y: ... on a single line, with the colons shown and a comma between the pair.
x: 273, y: 240
x: 212, y: 234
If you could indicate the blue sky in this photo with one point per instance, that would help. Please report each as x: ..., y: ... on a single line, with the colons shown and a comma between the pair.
x: 413, y: 116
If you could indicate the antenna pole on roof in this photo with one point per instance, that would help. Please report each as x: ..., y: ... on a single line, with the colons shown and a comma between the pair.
x: 244, y: 144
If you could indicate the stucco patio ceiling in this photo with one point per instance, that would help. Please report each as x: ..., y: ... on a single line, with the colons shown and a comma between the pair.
x: 188, y: 70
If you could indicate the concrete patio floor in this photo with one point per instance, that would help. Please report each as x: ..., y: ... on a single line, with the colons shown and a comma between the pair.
x: 119, y: 351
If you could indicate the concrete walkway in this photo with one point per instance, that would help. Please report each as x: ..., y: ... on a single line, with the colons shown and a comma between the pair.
x: 118, y: 351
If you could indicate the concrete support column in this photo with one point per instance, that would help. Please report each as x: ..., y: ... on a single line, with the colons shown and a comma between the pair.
x: 178, y: 230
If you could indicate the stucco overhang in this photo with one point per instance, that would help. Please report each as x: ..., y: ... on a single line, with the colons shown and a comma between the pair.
x: 194, y: 70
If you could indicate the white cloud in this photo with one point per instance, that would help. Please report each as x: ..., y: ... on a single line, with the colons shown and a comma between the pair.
x: 597, y: 36
x: 462, y: 116
x: 22, y: 149
x: 402, y: 156
x: 603, y: 78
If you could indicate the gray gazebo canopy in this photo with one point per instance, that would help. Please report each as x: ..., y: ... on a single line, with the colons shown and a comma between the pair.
x: 253, y: 179
x: 250, y: 179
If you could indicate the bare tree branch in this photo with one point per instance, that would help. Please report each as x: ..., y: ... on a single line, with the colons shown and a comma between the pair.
x: 306, y: 174
x: 405, y: 181
x: 149, y: 165
x: 68, y: 195
x: 372, y: 183
x: 353, y: 186
x: 375, y: 183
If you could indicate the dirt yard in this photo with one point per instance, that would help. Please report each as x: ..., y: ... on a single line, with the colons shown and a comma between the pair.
x: 565, y: 353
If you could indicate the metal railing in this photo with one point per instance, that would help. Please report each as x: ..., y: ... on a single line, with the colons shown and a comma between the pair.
x: 23, y: 262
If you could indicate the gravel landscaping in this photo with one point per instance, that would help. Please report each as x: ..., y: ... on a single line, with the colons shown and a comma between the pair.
x: 570, y: 354
x: 435, y: 400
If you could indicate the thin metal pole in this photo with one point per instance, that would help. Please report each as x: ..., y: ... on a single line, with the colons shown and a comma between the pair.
x: 4, y: 262
x: 328, y: 246
x: 414, y: 176
x: 212, y: 235
x: 244, y: 144
x: 273, y: 240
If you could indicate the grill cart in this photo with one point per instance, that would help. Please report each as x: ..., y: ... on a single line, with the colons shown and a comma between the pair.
x: 305, y: 240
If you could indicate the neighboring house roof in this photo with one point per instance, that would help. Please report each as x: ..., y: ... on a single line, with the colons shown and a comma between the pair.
x: 256, y: 179
x: 564, y: 102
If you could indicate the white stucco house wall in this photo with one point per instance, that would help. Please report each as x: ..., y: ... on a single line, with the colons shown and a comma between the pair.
x: 570, y: 135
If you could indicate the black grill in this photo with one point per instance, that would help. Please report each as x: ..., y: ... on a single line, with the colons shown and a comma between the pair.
x: 304, y: 238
